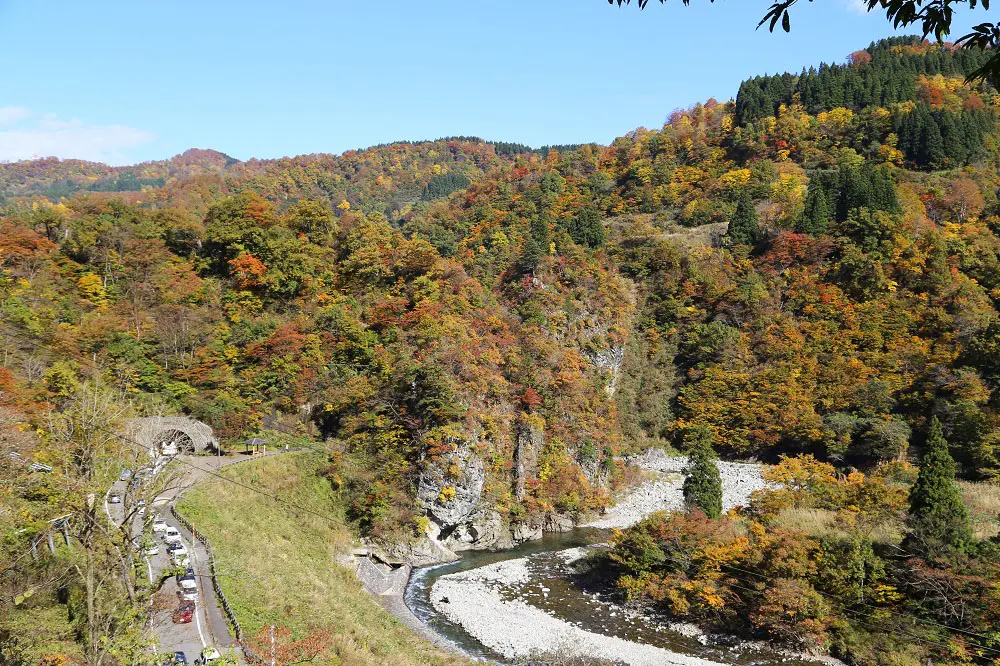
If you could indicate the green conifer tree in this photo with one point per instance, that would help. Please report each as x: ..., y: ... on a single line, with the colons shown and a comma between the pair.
x: 932, y: 149
x: 938, y: 520
x: 703, y: 485
x: 816, y: 216
x: 744, y: 229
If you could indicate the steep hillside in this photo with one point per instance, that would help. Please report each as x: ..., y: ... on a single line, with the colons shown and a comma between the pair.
x: 478, y: 330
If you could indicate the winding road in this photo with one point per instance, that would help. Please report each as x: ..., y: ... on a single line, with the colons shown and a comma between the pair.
x: 209, y: 626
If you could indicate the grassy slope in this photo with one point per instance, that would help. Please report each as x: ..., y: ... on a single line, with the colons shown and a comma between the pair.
x: 982, y: 500
x: 280, y: 564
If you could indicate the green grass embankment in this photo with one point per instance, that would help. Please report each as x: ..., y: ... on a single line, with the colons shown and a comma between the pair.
x: 278, y: 564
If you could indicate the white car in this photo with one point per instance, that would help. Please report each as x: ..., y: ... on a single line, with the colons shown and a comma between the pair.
x: 171, y: 534
x: 180, y: 560
x: 189, y: 590
x: 152, y: 549
x: 160, y: 525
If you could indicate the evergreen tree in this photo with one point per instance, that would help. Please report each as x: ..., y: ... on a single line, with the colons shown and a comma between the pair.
x: 587, y: 229
x: 816, y: 216
x: 743, y: 227
x: 932, y: 150
x: 938, y: 520
x: 702, y: 485
x: 883, y: 191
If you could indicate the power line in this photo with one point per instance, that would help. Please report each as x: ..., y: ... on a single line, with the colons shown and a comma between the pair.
x: 87, y: 362
x: 867, y: 605
x: 859, y: 614
x: 216, y: 475
x: 847, y: 610
x: 294, y: 505
x: 916, y: 637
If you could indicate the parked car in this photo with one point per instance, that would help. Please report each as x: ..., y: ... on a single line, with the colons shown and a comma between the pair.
x: 171, y: 534
x: 180, y: 659
x: 160, y: 525
x: 184, y: 613
x: 187, y: 575
x: 188, y: 589
x: 177, y: 549
x: 115, y: 498
x: 208, y: 655
x: 152, y: 549
x: 180, y: 559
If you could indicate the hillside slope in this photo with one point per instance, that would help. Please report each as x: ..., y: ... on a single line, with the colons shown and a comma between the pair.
x: 478, y: 331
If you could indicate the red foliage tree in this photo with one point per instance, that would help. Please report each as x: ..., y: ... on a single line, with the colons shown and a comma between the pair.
x: 277, y: 645
x: 859, y: 58
x: 247, y: 270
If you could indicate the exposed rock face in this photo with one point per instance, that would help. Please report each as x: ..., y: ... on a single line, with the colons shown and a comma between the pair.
x: 450, y: 492
x: 421, y: 552
x: 557, y: 522
x: 530, y: 439
x: 486, y: 529
x: 610, y: 360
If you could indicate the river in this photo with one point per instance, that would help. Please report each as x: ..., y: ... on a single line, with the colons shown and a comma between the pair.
x: 551, y: 585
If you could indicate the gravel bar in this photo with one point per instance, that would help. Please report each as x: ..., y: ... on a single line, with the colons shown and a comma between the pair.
x: 516, y: 629
x: 739, y: 481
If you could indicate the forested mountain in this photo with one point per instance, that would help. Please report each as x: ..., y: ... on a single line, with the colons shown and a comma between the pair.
x: 478, y: 330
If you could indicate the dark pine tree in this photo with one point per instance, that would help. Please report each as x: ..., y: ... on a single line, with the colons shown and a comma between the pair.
x: 816, y: 216
x: 938, y: 521
x: 587, y: 229
x: 744, y: 229
x: 702, y: 485
x: 932, y: 149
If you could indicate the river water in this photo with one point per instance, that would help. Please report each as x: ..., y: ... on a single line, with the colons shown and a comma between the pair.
x: 555, y: 588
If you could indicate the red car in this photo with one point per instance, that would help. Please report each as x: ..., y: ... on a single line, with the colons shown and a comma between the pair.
x: 184, y: 613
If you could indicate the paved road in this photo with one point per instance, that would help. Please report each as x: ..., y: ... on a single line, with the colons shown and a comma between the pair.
x: 209, y: 627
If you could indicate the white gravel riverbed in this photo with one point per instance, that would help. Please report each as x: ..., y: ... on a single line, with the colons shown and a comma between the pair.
x: 517, y: 629
x: 739, y: 481
x: 479, y: 600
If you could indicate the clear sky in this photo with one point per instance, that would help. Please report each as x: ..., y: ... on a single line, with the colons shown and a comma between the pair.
x: 125, y: 81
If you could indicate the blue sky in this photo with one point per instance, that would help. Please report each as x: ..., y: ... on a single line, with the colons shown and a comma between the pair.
x: 130, y: 81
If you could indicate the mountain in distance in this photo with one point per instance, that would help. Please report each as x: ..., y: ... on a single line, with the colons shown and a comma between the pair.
x: 475, y: 334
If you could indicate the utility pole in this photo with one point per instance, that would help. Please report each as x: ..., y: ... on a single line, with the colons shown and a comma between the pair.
x: 272, y: 646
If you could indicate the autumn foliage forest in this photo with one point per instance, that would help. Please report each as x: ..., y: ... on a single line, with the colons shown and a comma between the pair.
x: 813, y: 268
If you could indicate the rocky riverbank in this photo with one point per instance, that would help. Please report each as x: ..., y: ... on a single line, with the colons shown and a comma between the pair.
x: 525, y: 606
x: 521, y: 607
x: 515, y: 629
x: 665, y: 492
